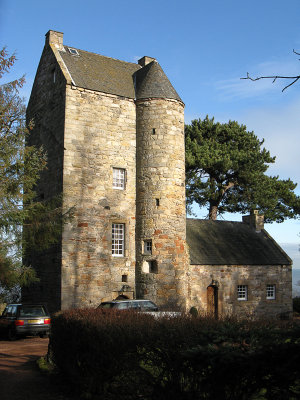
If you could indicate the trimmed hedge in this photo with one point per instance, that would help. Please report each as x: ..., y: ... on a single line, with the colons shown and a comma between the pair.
x: 296, y: 304
x: 114, y: 354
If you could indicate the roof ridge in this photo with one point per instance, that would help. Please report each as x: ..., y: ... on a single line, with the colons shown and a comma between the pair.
x: 216, y: 220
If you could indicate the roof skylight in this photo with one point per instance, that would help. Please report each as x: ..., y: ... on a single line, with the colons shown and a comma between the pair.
x: 73, y: 51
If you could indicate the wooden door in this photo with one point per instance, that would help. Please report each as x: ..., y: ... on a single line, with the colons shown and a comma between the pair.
x: 212, y: 301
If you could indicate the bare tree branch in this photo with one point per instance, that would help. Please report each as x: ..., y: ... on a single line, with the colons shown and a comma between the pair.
x: 274, y: 77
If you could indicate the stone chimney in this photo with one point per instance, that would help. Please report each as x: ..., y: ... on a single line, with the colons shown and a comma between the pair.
x: 55, y: 38
x: 145, y: 60
x: 254, y: 220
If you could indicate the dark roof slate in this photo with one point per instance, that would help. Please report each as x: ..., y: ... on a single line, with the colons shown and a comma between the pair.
x: 231, y: 243
x: 152, y: 82
x: 104, y: 74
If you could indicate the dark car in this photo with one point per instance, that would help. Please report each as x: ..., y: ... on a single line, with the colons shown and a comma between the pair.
x: 137, y: 305
x: 25, y: 319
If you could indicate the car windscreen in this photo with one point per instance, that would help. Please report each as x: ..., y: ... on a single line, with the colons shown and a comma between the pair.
x: 32, y: 311
x: 148, y: 306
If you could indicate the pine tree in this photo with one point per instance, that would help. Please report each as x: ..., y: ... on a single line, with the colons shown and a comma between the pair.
x: 226, y: 172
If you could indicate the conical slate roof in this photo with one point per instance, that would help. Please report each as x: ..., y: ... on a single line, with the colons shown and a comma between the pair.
x: 152, y: 82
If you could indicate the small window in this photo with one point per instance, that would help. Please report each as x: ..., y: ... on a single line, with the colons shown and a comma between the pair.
x: 242, y: 292
x: 271, y: 292
x: 153, y: 131
x: 153, y: 269
x: 118, y: 240
x: 147, y: 246
x: 74, y: 52
x: 54, y: 75
x: 157, y: 202
x: 119, y: 178
x: 124, y: 278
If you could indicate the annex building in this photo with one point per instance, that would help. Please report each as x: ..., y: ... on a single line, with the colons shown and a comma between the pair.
x: 114, y: 136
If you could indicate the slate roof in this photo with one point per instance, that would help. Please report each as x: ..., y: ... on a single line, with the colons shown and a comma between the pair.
x: 104, y: 74
x: 231, y: 243
x: 151, y: 82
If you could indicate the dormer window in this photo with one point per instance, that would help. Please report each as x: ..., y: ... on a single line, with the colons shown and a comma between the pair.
x: 74, y: 52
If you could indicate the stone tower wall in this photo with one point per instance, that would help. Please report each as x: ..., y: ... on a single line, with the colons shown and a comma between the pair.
x: 48, y: 100
x: 100, y: 134
x: 161, y: 220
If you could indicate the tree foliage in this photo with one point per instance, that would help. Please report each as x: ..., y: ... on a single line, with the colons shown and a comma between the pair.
x: 226, y: 172
x: 20, y: 168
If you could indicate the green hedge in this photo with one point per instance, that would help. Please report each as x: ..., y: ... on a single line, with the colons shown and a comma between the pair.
x: 296, y: 304
x: 129, y: 355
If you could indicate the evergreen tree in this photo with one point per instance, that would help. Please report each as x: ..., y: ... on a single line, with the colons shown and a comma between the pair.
x: 226, y: 172
x: 20, y: 167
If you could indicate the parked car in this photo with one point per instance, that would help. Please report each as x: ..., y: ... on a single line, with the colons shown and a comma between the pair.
x: 137, y: 305
x: 25, y: 319
x: 144, y: 306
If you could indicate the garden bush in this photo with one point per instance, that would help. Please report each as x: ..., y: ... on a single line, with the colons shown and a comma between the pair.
x: 113, y: 354
x: 296, y: 304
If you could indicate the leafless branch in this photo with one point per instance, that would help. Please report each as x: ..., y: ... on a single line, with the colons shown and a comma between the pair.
x: 274, y: 77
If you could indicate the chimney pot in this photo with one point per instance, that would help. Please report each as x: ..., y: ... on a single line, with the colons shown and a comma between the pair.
x: 255, y: 220
x: 145, y: 60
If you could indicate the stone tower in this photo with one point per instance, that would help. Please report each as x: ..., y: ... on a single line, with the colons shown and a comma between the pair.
x: 114, y: 135
x: 161, y: 259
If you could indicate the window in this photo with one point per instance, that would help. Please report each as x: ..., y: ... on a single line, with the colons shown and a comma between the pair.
x: 117, y: 245
x: 242, y: 292
x: 148, y: 247
x: 124, y: 278
x: 74, y: 52
x: 157, y: 202
x: 118, y: 178
x: 54, y: 75
x: 153, y: 269
x: 270, y: 292
x: 153, y: 131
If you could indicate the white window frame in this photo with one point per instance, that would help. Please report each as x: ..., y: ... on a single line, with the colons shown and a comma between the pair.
x: 242, y: 292
x: 72, y: 51
x: 119, y: 178
x: 270, y: 292
x: 148, y: 246
x: 118, y: 240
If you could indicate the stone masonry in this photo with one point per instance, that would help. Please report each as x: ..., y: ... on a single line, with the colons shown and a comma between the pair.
x: 113, y: 132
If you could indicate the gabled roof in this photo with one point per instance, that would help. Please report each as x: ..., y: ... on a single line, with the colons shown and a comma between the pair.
x: 108, y: 75
x: 103, y: 74
x: 231, y: 243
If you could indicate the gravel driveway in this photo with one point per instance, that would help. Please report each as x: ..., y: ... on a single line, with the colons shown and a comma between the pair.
x: 20, y: 378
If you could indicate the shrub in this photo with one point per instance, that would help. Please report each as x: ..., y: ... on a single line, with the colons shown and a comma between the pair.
x: 296, y: 304
x: 130, y: 355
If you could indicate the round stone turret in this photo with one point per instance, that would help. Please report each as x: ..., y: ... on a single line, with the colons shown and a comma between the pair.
x: 161, y: 259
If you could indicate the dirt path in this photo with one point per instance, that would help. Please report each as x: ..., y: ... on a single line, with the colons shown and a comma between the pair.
x: 20, y: 378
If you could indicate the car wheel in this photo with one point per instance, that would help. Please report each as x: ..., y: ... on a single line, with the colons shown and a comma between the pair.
x: 12, y: 334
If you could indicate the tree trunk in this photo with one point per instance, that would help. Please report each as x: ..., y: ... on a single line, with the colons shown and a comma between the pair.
x: 213, y: 212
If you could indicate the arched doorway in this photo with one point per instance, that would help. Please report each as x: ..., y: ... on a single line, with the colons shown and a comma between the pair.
x: 212, y: 301
x: 122, y: 297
